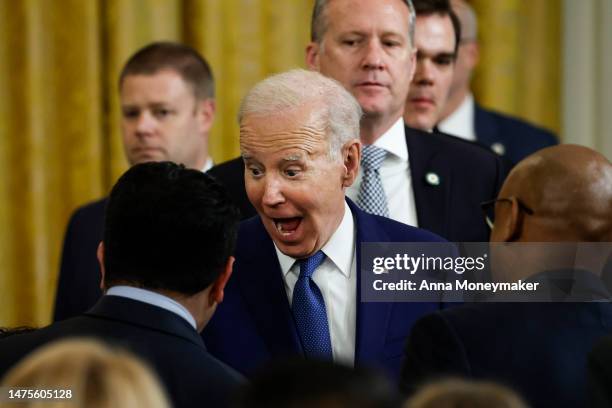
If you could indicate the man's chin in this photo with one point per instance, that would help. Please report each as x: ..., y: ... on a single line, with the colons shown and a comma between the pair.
x: 419, y: 123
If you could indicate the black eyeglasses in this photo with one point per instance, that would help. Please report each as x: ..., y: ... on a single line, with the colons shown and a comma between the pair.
x: 488, y: 208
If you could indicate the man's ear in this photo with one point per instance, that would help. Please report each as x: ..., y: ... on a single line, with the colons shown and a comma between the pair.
x: 312, y: 56
x: 218, y: 286
x: 351, y: 156
x: 473, y: 52
x: 509, y: 223
x: 100, y: 256
x: 206, y: 113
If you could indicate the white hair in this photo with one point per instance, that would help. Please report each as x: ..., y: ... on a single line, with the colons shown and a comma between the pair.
x: 335, y: 107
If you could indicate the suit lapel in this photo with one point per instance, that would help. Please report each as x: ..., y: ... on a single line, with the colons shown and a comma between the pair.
x: 486, y: 128
x: 372, y: 317
x: 263, y: 289
x: 431, y: 199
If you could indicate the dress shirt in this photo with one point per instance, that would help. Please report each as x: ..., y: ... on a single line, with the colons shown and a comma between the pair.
x: 208, y: 165
x: 152, y: 298
x: 337, y: 279
x: 395, y: 175
x: 460, y: 123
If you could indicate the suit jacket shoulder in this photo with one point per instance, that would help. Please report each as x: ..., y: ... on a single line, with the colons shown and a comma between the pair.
x: 538, y: 349
x: 163, y: 339
x: 514, y: 138
x: 78, y: 287
x: 231, y: 175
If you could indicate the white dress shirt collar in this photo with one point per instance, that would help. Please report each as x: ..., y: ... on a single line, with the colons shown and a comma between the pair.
x: 460, y: 123
x: 152, y: 298
x: 208, y: 165
x: 394, y: 140
x: 336, y: 249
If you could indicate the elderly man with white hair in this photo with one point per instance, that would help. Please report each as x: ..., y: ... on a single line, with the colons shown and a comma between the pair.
x: 296, y: 287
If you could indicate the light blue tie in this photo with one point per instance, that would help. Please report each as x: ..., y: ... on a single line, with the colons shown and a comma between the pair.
x: 371, y: 197
x: 309, y: 311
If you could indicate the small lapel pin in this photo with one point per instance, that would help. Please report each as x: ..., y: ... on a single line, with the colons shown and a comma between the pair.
x: 498, y: 148
x: 432, y: 179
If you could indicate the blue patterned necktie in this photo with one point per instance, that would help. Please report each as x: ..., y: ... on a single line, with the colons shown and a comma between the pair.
x: 371, y: 197
x: 309, y: 311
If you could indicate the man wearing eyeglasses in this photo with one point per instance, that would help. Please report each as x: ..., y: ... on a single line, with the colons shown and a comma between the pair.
x: 462, y: 116
x: 561, y: 196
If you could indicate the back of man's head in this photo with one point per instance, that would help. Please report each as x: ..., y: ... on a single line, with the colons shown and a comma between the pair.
x: 311, y: 383
x: 180, y: 58
x: 561, y: 193
x: 167, y: 228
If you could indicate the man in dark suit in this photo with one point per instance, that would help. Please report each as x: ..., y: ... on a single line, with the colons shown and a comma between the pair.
x: 299, y: 139
x: 432, y: 181
x: 560, y: 194
x: 507, y: 136
x: 166, y: 257
x: 167, y: 102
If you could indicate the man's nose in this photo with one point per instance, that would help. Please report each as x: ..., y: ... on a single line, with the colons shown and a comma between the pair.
x: 145, y: 123
x: 424, y: 74
x: 273, y: 192
x: 374, y: 56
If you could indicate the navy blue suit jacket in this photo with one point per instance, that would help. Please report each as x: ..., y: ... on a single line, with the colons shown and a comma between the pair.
x: 192, y: 377
x: 78, y: 286
x: 254, y: 324
x: 469, y: 174
x: 538, y: 349
x: 518, y: 138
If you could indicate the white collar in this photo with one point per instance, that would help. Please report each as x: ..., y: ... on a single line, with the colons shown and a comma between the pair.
x: 460, y: 123
x: 152, y: 298
x: 394, y: 140
x: 336, y: 249
x: 208, y: 165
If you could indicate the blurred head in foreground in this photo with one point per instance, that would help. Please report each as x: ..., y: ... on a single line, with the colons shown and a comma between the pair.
x: 323, y: 384
x: 465, y: 394
x: 95, y: 375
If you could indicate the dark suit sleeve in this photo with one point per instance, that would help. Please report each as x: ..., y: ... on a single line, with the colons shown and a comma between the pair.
x: 231, y: 175
x: 433, y: 351
x: 600, y: 374
x: 78, y: 287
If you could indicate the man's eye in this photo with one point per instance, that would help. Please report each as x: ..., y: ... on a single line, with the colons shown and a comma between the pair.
x: 446, y: 60
x: 130, y: 114
x: 292, y: 172
x: 255, y: 171
x: 350, y: 43
x: 161, y: 113
x: 391, y: 44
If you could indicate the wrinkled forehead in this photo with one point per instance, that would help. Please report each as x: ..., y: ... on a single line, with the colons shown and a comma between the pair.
x: 300, y: 129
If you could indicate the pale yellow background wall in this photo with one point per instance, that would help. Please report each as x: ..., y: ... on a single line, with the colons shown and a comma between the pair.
x: 59, y: 139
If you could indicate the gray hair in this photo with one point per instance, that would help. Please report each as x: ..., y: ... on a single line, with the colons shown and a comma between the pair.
x: 338, y: 110
x: 318, y: 23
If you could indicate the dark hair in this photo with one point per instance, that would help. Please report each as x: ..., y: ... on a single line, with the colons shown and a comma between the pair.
x: 443, y: 8
x: 167, y: 227
x: 318, y: 23
x: 300, y: 383
x: 182, y: 59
